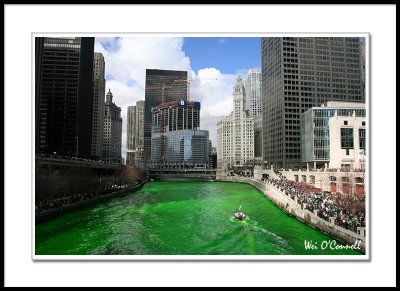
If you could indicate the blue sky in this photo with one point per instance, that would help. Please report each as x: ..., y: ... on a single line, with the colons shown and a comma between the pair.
x: 228, y: 54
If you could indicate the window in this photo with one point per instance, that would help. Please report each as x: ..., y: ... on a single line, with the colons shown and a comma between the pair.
x: 361, y: 133
x: 346, y: 138
x: 363, y: 123
x: 346, y: 123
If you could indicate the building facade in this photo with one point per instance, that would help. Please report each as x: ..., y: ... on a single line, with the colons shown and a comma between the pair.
x: 99, y: 84
x: 130, y: 132
x: 184, y: 148
x: 253, y: 93
x: 161, y: 87
x: 39, y: 46
x: 139, y: 134
x: 112, y: 131
x: 135, y: 136
x: 347, y: 142
x: 235, y: 133
x: 258, y: 141
x: 297, y: 74
x: 363, y: 61
x: 225, y: 145
x: 176, y: 136
x: 334, y: 135
x: 213, y: 158
x: 177, y: 115
x: 64, y: 96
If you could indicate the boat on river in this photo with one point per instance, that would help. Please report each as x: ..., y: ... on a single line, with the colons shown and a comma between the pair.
x: 239, y: 215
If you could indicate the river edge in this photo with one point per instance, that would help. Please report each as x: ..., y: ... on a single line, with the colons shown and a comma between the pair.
x: 333, y: 233
x: 50, y: 214
x: 54, y: 213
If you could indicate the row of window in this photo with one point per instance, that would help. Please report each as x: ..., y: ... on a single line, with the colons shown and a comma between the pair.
x: 347, y: 138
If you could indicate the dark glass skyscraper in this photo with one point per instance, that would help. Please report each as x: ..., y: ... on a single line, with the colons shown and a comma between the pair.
x: 161, y: 84
x: 297, y: 74
x: 98, y: 106
x: 64, y: 95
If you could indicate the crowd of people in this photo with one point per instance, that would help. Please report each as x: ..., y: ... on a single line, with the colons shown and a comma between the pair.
x: 71, y: 157
x: 61, y: 203
x: 346, y: 211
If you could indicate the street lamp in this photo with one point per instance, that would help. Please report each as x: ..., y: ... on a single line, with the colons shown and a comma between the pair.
x: 100, y: 183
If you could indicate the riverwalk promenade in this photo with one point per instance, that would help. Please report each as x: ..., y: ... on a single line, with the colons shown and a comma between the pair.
x: 294, y: 209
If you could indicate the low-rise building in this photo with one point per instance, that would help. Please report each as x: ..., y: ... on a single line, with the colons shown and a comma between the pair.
x: 334, y: 135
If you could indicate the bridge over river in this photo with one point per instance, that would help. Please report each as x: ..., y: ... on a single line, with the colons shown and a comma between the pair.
x: 193, y: 173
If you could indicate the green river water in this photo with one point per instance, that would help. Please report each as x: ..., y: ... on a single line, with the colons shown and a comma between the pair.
x: 181, y: 218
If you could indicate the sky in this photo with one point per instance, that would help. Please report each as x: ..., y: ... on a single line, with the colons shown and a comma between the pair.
x: 213, y: 64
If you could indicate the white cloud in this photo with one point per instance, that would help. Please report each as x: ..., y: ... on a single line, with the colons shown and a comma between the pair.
x: 214, y: 90
x: 221, y: 40
x: 126, y: 60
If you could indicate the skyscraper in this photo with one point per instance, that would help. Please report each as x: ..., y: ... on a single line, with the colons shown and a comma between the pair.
x: 139, y: 133
x: 362, y: 60
x: 98, y: 105
x: 134, y: 141
x: 39, y: 45
x: 252, y: 85
x: 176, y: 139
x: 64, y: 95
x: 235, y: 133
x: 161, y: 86
x: 130, y: 140
x: 297, y: 74
x: 258, y: 131
x: 112, y: 131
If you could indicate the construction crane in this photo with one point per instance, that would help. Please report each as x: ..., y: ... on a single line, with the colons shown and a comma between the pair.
x: 188, y: 85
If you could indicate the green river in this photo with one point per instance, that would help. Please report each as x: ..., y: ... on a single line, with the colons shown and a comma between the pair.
x: 181, y: 218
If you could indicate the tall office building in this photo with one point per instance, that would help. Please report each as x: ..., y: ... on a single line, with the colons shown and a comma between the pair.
x: 363, y: 60
x: 252, y: 85
x: 39, y: 45
x: 139, y: 133
x: 135, y: 137
x: 161, y: 86
x: 112, y: 131
x: 297, y: 74
x: 130, y: 131
x: 176, y: 138
x: 235, y: 133
x: 64, y: 95
x: 258, y: 142
x: 98, y: 105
